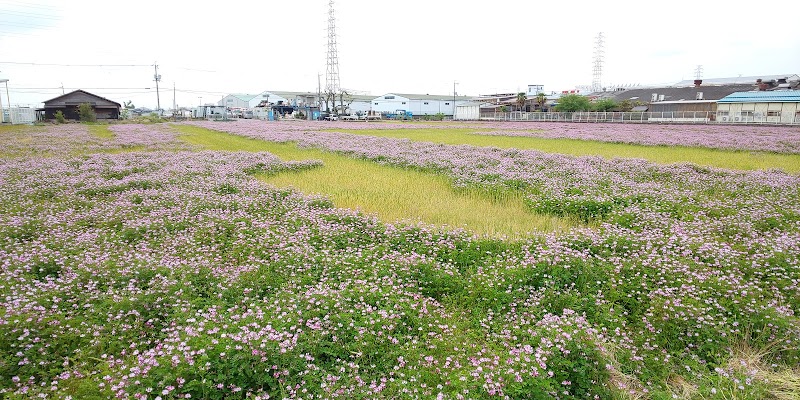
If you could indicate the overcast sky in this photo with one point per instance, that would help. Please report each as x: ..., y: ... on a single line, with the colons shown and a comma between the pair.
x: 208, y: 49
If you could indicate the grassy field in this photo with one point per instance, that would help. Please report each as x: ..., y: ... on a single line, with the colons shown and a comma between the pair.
x: 741, y: 160
x: 393, y: 194
x: 101, y: 131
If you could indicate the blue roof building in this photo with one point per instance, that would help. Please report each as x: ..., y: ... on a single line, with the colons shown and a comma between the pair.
x: 777, y: 96
x: 770, y: 107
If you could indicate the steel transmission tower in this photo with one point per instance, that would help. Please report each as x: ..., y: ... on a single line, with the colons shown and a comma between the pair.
x: 597, y: 69
x: 698, y: 72
x: 332, y: 83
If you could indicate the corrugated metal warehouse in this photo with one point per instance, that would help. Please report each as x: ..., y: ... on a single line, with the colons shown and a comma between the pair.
x: 779, y: 107
x: 418, y: 104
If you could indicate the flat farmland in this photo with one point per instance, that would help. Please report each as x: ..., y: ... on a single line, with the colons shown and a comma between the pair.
x: 253, y: 259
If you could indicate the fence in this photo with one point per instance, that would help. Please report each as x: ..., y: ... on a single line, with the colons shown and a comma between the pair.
x: 19, y: 115
x: 677, y: 117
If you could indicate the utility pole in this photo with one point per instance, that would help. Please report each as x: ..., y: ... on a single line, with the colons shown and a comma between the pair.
x: 62, y: 87
x: 319, y: 91
x: 157, y: 78
x: 454, y: 99
x: 174, y: 105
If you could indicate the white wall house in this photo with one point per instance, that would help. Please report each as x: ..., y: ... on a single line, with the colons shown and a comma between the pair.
x: 772, y: 107
x: 418, y: 104
x: 236, y: 101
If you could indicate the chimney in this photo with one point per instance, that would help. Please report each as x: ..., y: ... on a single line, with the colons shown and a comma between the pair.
x: 698, y: 82
x: 762, y: 86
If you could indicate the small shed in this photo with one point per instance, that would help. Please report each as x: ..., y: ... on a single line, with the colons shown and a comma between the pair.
x: 469, y: 111
x: 68, y: 105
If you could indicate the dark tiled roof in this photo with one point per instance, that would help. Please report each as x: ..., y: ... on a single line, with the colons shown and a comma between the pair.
x: 682, y: 93
x: 74, y: 92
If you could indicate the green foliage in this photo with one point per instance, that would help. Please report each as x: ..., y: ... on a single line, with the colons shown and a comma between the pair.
x: 573, y: 102
x: 521, y: 99
x: 154, y: 118
x: 604, y: 105
x: 503, y: 109
x: 541, y: 100
x: 60, y: 117
x: 434, y: 117
x: 86, y: 113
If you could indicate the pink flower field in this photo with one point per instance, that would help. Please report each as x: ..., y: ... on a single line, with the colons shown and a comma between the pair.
x: 141, y: 267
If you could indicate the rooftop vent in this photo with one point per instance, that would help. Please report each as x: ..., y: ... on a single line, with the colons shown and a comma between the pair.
x: 699, y: 96
x: 698, y: 82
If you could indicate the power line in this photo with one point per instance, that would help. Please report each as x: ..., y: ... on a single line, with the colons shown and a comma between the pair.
x: 34, y: 15
x: 84, y: 88
x: 73, y: 65
x: 26, y: 4
x: 23, y: 24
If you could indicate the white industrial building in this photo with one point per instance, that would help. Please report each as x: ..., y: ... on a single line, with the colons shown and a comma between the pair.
x: 283, y: 98
x: 236, y: 101
x: 418, y: 104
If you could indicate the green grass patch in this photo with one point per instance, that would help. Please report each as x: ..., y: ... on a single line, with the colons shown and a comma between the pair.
x: 739, y: 160
x: 393, y: 194
x: 100, y: 131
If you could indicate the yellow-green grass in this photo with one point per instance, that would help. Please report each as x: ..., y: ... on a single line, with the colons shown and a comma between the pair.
x: 393, y: 194
x: 101, y: 131
x: 738, y: 160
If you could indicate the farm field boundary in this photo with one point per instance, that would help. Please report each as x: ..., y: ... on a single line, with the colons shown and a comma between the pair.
x: 394, y: 194
x: 737, y: 160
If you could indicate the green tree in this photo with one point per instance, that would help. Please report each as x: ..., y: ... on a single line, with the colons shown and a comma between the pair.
x: 521, y: 99
x: 503, y: 109
x: 86, y: 113
x: 604, y: 105
x: 573, y: 102
x: 625, y: 105
x: 541, y: 99
x: 60, y: 117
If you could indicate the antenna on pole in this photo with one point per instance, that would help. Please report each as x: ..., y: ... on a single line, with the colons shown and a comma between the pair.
x: 597, y: 65
x: 698, y: 72
x: 332, y: 83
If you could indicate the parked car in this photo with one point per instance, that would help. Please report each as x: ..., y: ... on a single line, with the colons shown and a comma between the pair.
x: 331, y: 117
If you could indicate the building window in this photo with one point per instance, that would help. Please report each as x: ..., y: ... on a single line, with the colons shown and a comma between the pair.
x: 797, y: 116
x: 722, y: 113
x: 747, y: 114
x: 773, y: 113
x: 230, y: 100
x: 389, y: 97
